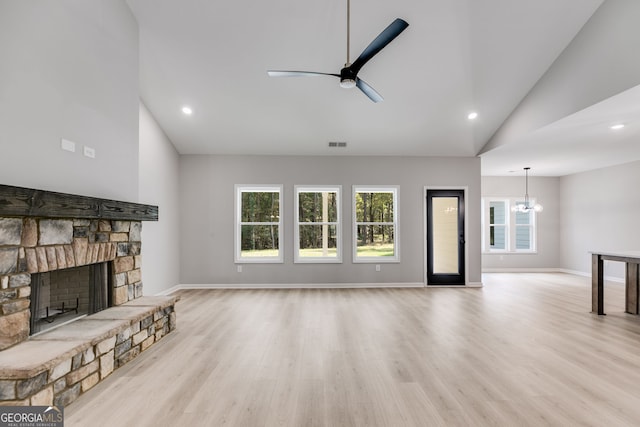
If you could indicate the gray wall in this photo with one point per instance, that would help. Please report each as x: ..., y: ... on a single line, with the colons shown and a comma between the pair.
x: 207, y: 215
x: 546, y: 191
x: 159, y: 175
x: 599, y: 212
x: 69, y: 69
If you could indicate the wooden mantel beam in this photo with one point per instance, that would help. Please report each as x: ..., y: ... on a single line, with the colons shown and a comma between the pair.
x: 28, y: 202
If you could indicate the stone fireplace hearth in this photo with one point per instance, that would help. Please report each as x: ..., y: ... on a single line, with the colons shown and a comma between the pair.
x: 72, y: 239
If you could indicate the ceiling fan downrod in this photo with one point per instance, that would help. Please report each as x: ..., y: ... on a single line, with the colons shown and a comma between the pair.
x: 347, y: 78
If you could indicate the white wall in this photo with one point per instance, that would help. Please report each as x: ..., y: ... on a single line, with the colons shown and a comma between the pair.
x: 69, y: 69
x: 546, y: 191
x: 159, y: 175
x: 582, y: 74
x: 207, y: 216
x: 599, y: 212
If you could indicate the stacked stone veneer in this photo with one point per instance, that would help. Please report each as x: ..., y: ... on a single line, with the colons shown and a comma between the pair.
x: 36, y: 245
x: 58, y: 366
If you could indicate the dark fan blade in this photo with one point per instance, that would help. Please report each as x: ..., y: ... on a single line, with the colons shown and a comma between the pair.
x: 275, y: 73
x: 385, y: 37
x: 368, y: 90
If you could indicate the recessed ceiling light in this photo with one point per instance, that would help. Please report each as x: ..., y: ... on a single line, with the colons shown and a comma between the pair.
x: 187, y: 110
x: 617, y: 127
x: 472, y: 116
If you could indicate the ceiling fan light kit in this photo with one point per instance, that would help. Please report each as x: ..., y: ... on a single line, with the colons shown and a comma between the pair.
x: 347, y: 83
x: 349, y: 74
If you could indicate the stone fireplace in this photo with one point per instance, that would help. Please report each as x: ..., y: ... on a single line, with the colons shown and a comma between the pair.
x: 40, y: 245
x: 69, y: 258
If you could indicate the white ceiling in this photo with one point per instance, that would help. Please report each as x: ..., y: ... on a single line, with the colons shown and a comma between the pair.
x: 456, y: 56
x: 580, y: 142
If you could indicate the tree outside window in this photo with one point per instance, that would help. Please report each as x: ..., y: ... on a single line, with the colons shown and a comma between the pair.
x: 318, y: 227
x: 258, y: 223
x: 375, y: 225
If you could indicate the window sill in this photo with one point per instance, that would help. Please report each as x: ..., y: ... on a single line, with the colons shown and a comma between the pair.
x: 317, y: 261
x: 376, y: 261
x: 509, y: 252
x: 259, y: 261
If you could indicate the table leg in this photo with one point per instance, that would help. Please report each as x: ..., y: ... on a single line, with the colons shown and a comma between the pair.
x: 597, y: 284
x: 631, y: 288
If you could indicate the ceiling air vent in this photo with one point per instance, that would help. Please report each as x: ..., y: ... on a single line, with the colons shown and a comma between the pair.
x: 337, y: 144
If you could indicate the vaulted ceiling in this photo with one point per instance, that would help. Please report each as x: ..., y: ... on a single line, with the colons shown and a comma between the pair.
x: 457, y: 56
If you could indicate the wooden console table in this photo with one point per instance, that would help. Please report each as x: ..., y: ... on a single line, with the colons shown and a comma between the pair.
x: 632, y: 263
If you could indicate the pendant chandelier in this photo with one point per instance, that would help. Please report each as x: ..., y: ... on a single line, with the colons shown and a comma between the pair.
x: 526, y: 207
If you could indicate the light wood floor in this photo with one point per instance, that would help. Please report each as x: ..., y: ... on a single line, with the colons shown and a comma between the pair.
x: 523, y: 350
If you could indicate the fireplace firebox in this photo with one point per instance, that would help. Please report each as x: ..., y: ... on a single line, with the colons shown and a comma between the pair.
x: 62, y: 296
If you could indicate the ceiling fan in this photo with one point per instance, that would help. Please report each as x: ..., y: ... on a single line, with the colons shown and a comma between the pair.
x: 349, y: 74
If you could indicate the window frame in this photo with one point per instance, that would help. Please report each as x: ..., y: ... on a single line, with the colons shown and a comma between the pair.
x: 338, y: 223
x: 257, y: 188
x: 395, y: 190
x: 507, y: 207
x: 531, y: 225
x: 510, y: 227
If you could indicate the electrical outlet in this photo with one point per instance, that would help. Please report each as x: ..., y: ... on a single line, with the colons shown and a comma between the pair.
x: 377, y: 267
x: 67, y: 145
x: 89, y: 152
x: 239, y: 269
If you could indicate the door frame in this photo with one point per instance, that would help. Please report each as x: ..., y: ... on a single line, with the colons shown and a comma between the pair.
x: 465, y: 190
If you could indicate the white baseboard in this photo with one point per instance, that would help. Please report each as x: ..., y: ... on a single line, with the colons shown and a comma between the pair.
x: 522, y: 270
x: 474, y: 285
x: 614, y: 279
x: 468, y: 285
x: 169, y: 291
x: 575, y: 272
x: 550, y: 270
x: 291, y: 286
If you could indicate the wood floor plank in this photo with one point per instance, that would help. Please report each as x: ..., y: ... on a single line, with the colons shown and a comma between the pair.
x: 523, y: 350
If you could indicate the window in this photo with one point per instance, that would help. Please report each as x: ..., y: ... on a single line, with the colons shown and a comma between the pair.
x: 375, y: 228
x: 318, y: 229
x: 258, y: 223
x: 524, y: 229
x: 498, y: 224
x: 507, y: 231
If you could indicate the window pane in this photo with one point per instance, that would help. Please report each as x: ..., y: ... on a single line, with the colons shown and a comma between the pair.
x: 445, y: 235
x: 260, y: 206
x: 523, y: 217
x: 497, y: 237
x: 318, y: 207
x: 259, y: 241
x: 375, y: 241
x: 497, y: 213
x: 318, y: 241
x: 523, y: 237
x: 374, y: 207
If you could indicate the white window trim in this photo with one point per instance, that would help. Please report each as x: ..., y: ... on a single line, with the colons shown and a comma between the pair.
x: 395, y: 189
x: 486, y: 226
x: 510, y: 227
x: 318, y: 189
x: 244, y: 188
